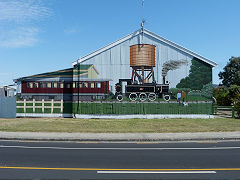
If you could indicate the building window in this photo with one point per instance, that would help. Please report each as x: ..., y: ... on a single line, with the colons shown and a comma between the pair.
x: 54, y: 84
x: 91, y: 85
x: 49, y: 85
x: 98, y: 85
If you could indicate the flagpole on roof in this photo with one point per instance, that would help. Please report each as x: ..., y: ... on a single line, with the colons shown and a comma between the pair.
x: 143, y: 21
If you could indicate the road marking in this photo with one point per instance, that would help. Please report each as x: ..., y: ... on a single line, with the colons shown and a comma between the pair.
x: 30, y: 141
x: 147, y: 143
x: 75, y: 148
x: 156, y: 172
x: 86, y: 142
x: 206, y: 142
x: 103, y: 169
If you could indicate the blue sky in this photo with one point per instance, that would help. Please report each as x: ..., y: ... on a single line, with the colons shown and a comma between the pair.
x: 38, y: 36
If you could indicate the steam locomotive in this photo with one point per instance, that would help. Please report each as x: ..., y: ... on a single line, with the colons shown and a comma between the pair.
x: 142, y: 92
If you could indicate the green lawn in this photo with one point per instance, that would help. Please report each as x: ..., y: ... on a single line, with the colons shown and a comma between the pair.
x: 119, y: 126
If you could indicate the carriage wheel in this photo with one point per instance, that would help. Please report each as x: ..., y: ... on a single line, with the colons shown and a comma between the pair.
x: 119, y: 97
x: 143, y: 96
x: 152, y: 97
x: 133, y: 96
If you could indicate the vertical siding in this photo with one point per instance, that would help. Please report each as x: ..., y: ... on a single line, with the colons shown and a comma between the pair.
x: 114, y: 63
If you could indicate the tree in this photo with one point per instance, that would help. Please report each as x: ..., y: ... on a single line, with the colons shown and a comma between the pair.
x: 234, y: 92
x: 231, y: 72
x: 200, y: 74
x: 222, y: 96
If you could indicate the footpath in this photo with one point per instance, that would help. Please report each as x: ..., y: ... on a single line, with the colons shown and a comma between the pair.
x: 52, y: 136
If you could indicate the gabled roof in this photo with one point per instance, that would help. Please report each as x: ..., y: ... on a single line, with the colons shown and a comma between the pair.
x: 64, y: 73
x: 170, y: 43
x: 61, y: 73
x: 84, y: 69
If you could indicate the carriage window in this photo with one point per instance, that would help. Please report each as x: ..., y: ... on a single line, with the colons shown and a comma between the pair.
x: 80, y: 84
x: 35, y: 85
x: 98, y: 85
x: 74, y: 85
x: 49, y: 85
x: 30, y: 85
x: 54, y: 84
x: 85, y: 85
x: 43, y: 85
x: 91, y: 85
x: 68, y: 85
x: 60, y: 85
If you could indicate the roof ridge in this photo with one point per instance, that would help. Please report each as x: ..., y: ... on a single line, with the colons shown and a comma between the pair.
x: 135, y: 33
x: 98, y: 51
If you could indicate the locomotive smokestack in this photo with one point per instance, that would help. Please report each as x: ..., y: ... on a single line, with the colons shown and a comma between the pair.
x: 164, y: 79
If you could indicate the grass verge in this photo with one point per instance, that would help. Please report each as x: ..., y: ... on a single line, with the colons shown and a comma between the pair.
x: 119, y: 126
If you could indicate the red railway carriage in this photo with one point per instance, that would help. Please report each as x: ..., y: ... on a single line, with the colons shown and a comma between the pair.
x: 86, y: 87
x: 64, y: 84
x: 86, y: 90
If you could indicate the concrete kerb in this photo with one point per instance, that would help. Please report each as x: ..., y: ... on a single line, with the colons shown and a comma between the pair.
x: 113, y: 137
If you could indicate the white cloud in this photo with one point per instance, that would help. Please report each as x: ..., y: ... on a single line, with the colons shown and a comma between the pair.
x: 23, y: 36
x: 20, y: 11
x: 70, y: 31
x: 16, y: 17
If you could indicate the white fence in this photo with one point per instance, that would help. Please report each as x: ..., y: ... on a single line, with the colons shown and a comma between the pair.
x: 42, y: 106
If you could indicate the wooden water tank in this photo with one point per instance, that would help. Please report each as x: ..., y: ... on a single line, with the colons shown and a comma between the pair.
x: 142, y: 55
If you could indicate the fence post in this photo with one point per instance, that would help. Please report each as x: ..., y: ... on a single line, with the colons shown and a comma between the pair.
x: 52, y: 106
x: 215, y: 109
x: 34, y: 105
x: 24, y: 105
x: 42, y: 105
x: 233, y: 112
x: 61, y: 105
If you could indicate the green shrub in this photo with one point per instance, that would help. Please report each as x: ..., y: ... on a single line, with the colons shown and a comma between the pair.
x: 195, y: 93
x: 207, y: 90
x: 174, y: 91
x: 237, y: 108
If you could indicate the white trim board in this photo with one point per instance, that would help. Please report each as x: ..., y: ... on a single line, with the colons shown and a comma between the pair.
x: 143, y: 116
x: 170, y: 43
x: 117, y: 116
x: 43, y: 115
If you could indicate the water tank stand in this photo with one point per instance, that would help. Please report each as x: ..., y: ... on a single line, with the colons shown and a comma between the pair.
x: 139, y: 72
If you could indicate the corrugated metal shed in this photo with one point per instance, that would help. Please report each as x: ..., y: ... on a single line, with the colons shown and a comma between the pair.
x: 113, y: 61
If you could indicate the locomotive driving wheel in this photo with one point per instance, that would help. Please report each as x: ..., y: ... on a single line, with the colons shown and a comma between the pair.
x: 152, y: 97
x: 133, y: 96
x: 142, y: 96
x: 166, y: 97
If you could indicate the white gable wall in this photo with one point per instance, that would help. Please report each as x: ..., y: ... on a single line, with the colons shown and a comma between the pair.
x: 114, y: 63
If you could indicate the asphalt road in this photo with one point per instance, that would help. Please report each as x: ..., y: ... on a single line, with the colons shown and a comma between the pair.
x: 92, y: 160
